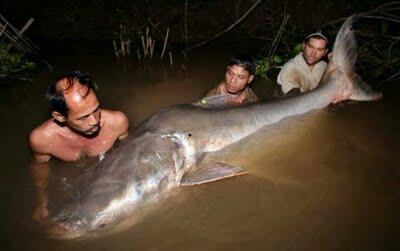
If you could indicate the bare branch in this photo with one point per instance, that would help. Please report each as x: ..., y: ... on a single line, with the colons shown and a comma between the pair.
x: 227, y: 29
x: 165, y: 43
x: 382, y: 18
x: 279, y: 34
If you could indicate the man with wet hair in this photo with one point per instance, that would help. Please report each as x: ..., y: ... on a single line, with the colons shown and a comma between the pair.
x: 238, y: 75
x: 304, y: 72
x: 78, y: 128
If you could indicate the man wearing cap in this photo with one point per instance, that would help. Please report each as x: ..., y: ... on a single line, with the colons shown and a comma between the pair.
x: 304, y: 72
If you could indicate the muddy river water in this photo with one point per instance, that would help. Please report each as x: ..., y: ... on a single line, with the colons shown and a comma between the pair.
x: 328, y: 180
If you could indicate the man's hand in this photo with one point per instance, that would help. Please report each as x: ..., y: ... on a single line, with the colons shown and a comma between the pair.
x: 293, y: 92
x: 40, y: 212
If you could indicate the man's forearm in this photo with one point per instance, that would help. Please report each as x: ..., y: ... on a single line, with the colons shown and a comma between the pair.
x: 40, y: 173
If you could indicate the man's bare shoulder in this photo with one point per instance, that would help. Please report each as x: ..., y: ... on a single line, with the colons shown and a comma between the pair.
x: 251, y: 96
x: 116, y: 120
x: 116, y: 117
x: 41, y: 137
x: 211, y: 92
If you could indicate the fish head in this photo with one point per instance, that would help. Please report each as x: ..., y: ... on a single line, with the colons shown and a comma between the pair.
x: 122, y: 185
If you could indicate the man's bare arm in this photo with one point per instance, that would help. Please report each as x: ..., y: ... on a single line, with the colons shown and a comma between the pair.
x: 252, y: 97
x: 211, y: 92
x: 40, y: 171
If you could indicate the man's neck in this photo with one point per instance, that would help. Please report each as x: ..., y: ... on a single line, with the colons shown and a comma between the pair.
x: 305, y: 61
x: 69, y: 132
x: 239, y: 93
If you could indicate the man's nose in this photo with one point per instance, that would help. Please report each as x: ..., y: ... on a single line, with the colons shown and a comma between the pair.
x: 93, y: 119
x: 313, y: 53
x: 233, y: 79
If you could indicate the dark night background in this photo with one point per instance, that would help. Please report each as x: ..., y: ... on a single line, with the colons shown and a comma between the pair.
x: 97, y: 20
x: 90, y: 26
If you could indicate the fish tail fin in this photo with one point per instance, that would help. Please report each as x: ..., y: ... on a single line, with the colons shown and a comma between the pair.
x: 342, y: 63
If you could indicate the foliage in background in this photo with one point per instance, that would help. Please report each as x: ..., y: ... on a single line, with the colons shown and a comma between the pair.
x: 14, y: 65
x: 268, y: 68
x: 379, y: 51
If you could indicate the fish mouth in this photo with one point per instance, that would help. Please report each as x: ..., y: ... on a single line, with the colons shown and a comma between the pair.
x: 64, y: 231
x: 59, y: 232
x: 82, y: 229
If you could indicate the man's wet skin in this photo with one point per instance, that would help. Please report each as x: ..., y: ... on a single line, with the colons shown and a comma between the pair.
x: 83, y: 130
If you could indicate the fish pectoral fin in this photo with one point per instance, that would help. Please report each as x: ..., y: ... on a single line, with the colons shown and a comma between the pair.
x: 210, y: 172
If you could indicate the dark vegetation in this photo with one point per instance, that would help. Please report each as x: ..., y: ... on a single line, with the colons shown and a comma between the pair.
x: 14, y: 64
x: 14, y: 51
x: 168, y: 30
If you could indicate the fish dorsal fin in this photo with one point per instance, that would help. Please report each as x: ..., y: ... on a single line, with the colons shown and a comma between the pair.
x: 209, y: 172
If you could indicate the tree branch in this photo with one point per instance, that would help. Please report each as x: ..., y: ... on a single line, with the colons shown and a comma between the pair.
x: 227, y: 29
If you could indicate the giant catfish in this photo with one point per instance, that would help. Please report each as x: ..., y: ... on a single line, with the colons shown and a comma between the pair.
x: 164, y: 150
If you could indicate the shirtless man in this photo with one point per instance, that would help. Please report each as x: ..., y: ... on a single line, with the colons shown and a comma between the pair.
x: 304, y: 72
x: 78, y: 128
x: 239, y: 74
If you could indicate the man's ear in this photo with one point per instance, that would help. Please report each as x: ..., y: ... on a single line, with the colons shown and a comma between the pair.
x: 326, y: 51
x: 304, y: 45
x: 251, y: 77
x: 58, y: 116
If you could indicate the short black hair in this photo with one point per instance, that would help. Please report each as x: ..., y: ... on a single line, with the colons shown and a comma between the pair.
x: 55, y: 94
x: 243, y: 61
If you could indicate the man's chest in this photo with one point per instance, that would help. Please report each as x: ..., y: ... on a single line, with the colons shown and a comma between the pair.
x: 74, y: 149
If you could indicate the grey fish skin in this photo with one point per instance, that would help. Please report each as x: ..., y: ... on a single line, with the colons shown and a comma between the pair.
x: 118, y: 186
x: 144, y: 168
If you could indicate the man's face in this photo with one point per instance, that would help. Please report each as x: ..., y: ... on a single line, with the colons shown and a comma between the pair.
x: 236, y: 79
x: 314, y: 50
x: 83, y: 110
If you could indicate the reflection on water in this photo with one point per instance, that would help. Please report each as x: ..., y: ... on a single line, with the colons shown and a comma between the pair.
x: 323, y: 181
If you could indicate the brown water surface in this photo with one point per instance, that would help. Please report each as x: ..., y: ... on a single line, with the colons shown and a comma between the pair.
x: 328, y: 180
